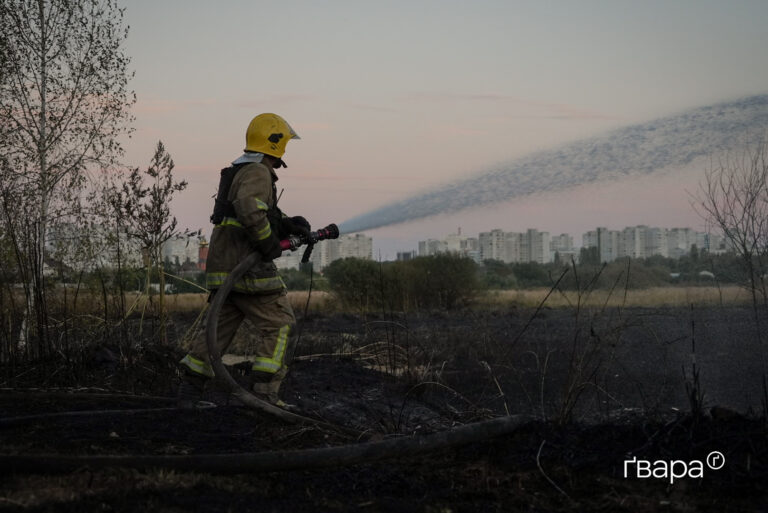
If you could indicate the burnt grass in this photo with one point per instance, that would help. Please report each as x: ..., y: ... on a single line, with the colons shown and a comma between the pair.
x: 603, y: 386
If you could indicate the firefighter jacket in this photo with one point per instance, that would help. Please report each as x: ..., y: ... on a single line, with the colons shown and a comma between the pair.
x: 252, y: 194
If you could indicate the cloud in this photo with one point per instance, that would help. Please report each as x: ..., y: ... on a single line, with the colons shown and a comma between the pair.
x: 276, y: 98
x: 165, y: 105
x: 541, y: 110
x: 372, y: 108
x: 313, y: 126
x: 322, y: 176
x: 562, y: 111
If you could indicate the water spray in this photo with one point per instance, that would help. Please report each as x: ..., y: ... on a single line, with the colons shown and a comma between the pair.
x: 633, y: 150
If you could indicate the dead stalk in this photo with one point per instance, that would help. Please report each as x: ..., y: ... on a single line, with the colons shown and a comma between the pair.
x: 541, y: 469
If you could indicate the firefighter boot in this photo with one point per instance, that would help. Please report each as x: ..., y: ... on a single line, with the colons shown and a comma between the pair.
x: 190, y: 389
x: 267, y: 387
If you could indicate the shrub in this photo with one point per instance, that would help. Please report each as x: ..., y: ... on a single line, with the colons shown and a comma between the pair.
x: 355, y: 281
x: 440, y: 281
x: 443, y: 281
x: 498, y: 275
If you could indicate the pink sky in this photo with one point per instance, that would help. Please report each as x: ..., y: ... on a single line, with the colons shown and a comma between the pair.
x: 391, y: 98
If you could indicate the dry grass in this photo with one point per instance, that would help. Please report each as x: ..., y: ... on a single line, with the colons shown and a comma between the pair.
x: 90, y: 303
x: 194, y: 302
x: 652, y: 297
x: 319, y: 301
x: 189, y: 302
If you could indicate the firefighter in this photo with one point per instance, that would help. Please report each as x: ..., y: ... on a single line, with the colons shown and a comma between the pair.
x: 246, y: 219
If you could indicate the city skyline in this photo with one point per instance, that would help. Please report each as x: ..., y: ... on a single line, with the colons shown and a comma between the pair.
x: 188, y: 252
x: 532, y: 245
x: 638, y: 241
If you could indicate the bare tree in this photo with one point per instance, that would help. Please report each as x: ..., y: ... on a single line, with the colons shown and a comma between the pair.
x: 147, y: 207
x: 64, y: 102
x: 734, y: 198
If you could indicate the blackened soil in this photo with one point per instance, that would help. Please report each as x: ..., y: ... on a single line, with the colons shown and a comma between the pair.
x: 392, y: 376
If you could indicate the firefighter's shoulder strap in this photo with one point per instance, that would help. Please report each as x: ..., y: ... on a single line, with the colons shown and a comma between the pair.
x: 223, y: 207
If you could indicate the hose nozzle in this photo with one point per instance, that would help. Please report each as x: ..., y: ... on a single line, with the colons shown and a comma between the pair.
x: 295, y: 241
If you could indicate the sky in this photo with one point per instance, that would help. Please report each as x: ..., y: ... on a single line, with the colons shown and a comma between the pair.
x: 393, y: 98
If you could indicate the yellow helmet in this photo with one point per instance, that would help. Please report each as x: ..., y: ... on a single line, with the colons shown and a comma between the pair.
x: 268, y: 134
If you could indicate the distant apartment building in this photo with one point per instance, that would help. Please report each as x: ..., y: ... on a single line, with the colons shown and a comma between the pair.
x: 535, y: 247
x: 513, y: 247
x: 455, y: 243
x: 493, y: 245
x: 431, y: 247
x: 346, y: 246
x: 680, y: 241
x: 291, y: 259
x: 562, y: 247
x: 458, y: 243
x: 642, y: 242
x: 606, y: 241
x: 183, y: 251
x: 632, y: 241
x: 98, y: 247
x: 509, y: 247
x: 713, y: 243
x: 354, y: 246
x: 656, y: 242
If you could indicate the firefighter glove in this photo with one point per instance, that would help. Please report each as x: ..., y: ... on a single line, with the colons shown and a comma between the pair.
x: 296, y: 225
x: 269, y: 248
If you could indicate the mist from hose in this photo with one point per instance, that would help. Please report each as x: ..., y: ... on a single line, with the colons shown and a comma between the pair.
x: 638, y: 149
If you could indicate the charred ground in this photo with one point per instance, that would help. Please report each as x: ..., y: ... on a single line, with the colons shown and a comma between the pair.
x: 605, y: 386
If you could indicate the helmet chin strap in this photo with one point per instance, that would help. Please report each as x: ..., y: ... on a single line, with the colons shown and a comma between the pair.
x: 275, y: 162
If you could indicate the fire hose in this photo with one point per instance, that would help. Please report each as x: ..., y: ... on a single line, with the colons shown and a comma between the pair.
x: 291, y: 243
x: 350, y: 454
x: 271, y: 461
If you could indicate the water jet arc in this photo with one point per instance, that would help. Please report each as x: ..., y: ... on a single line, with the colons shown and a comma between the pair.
x: 634, y: 150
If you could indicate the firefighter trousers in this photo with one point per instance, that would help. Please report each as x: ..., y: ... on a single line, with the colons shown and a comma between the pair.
x: 271, y: 314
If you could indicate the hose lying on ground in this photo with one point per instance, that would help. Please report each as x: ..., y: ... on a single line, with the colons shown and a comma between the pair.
x: 274, y: 460
x: 267, y: 461
x: 75, y: 393
x: 13, y: 421
x: 221, y: 372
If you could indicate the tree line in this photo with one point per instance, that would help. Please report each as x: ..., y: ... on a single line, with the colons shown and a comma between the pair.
x: 447, y: 281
